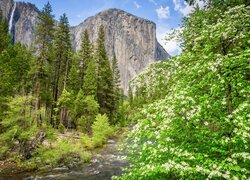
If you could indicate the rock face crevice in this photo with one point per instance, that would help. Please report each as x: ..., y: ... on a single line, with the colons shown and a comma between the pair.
x: 132, y: 39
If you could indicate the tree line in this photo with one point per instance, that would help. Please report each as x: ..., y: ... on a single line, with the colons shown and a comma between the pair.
x: 50, y: 85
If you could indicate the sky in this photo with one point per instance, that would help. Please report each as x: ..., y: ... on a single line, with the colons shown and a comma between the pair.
x: 167, y: 14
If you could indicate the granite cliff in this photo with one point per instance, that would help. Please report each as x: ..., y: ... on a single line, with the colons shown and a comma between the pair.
x: 22, y: 23
x: 131, y: 38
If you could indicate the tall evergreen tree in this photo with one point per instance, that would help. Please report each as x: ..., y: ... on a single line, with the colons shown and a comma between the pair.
x: 117, y: 83
x: 6, y: 74
x: 90, y: 79
x: 85, y: 54
x: 14, y: 66
x: 61, y: 65
x: 5, y: 38
x: 73, y: 78
x: 44, y: 36
x: 105, y: 85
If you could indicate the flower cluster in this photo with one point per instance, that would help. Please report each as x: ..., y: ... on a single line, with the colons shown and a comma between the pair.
x: 198, y: 127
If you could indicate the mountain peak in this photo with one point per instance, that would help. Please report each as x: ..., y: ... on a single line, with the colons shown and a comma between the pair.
x: 132, y: 39
x: 116, y: 12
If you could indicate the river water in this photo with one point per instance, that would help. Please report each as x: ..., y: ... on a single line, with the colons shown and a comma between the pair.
x: 105, y: 163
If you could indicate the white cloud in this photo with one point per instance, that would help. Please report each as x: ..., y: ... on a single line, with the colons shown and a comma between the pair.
x: 163, y: 13
x: 177, y: 4
x: 172, y: 47
x: 137, y: 5
x: 153, y: 1
x: 185, y: 9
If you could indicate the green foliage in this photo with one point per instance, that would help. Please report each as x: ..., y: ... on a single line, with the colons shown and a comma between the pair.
x: 117, y: 92
x: 74, y: 79
x: 52, y: 89
x: 87, y: 142
x: 42, y: 65
x: 151, y: 84
x: 221, y: 4
x: 14, y: 67
x: 5, y: 38
x: 101, y: 130
x: 123, y: 113
x: 85, y: 110
x: 85, y: 55
x: 51, y: 133
x: 130, y: 96
x: 198, y: 127
x: 65, y: 99
x: 62, y: 152
x: 17, y: 125
x: 61, y: 128
x: 62, y: 48
x: 90, y: 79
x: 105, y: 84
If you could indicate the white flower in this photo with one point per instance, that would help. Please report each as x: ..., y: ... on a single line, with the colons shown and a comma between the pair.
x: 192, y: 158
x: 226, y: 176
x: 235, y: 178
x: 155, y: 152
x: 198, y: 168
x: 224, y: 102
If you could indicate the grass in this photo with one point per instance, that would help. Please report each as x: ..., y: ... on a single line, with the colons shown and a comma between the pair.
x: 63, y: 152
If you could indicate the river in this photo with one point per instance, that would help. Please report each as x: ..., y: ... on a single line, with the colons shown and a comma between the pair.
x: 105, y: 163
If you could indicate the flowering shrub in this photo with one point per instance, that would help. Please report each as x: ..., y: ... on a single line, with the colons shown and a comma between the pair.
x: 201, y: 128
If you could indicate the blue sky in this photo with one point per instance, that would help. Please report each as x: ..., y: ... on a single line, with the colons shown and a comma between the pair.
x: 167, y: 14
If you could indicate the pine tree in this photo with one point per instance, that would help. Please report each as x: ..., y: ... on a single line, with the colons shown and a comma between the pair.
x: 14, y: 66
x: 85, y: 54
x: 5, y: 39
x: 117, y: 83
x: 61, y: 64
x: 44, y: 35
x: 16, y: 125
x: 74, y: 79
x: 105, y: 85
x: 90, y: 83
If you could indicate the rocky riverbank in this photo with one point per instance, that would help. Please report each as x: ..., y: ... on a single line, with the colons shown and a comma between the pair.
x: 105, y: 163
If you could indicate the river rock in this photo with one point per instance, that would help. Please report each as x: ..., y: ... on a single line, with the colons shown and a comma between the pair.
x: 64, y: 168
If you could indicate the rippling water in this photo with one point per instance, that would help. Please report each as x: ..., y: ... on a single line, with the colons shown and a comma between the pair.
x: 105, y: 164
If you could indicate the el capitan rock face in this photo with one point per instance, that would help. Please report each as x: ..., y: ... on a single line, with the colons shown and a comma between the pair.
x: 131, y: 38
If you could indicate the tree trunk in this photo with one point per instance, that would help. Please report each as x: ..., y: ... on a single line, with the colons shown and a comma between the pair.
x: 27, y: 147
x: 54, y: 114
x: 38, y: 105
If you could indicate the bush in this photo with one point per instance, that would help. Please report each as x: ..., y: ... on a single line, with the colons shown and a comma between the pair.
x: 200, y: 128
x: 85, y: 110
x: 63, y: 152
x: 17, y: 125
x: 61, y: 128
x: 101, y: 130
x: 81, y: 124
x: 87, y: 142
